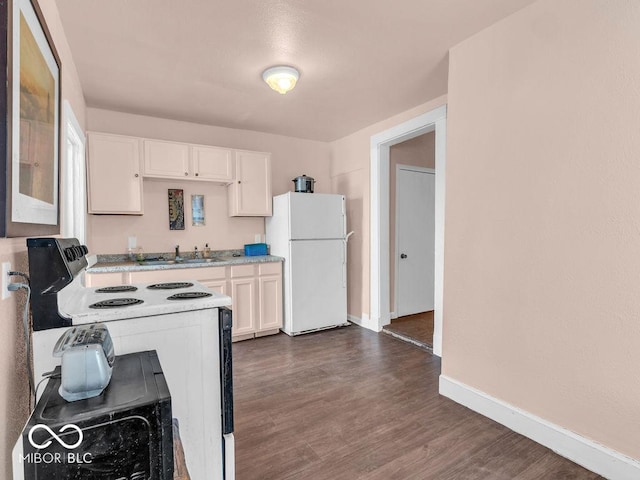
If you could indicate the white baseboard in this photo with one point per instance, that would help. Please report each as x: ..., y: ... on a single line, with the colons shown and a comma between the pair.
x: 364, y: 322
x: 591, y: 455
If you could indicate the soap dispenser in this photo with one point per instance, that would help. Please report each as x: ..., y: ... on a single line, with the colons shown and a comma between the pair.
x: 207, y: 251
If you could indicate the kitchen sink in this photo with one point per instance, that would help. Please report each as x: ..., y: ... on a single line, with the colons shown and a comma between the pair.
x: 200, y: 260
x: 173, y: 262
x: 156, y: 262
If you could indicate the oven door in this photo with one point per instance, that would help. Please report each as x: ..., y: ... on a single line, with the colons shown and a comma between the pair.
x: 226, y: 393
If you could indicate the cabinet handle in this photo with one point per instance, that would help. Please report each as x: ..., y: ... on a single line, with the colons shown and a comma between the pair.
x: 186, y: 174
x: 239, y: 181
x: 136, y: 175
x: 197, y: 174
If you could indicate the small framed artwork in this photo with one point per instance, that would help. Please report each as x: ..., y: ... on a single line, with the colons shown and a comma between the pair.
x: 176, y: 209
x: 30, y: 138
x: 197, y: 210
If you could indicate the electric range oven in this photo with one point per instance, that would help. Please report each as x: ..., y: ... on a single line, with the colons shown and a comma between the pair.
x: 186, y: 323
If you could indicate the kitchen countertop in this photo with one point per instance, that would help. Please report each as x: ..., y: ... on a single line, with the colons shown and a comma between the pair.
x: 108, y: 264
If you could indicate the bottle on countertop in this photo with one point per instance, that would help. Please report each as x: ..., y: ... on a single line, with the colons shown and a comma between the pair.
x: 207, y: 251
x: 196, y: 253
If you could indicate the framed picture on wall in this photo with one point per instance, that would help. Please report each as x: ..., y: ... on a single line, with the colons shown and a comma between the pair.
x: 29, y: 195
x: 176, y: 209
x: 197, y: 210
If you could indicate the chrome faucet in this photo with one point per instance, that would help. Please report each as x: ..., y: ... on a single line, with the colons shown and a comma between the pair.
x: 178, y: 253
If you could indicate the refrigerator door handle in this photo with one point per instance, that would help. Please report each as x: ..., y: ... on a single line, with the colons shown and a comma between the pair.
x: 344, y: 263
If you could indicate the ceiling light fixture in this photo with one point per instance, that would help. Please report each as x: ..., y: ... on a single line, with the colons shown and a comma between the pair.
x: 281, y: 78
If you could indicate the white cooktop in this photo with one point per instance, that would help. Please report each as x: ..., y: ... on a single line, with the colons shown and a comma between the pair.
x: 74, y: 301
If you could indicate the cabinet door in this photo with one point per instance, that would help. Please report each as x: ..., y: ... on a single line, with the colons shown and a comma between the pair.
x: 270, y: 292
x: 243, y: 296
x: 214, y: 278
x: 218, y: 286
x: 166, y: 159
x: 212, y: 163
x: 114, y: 179
x: 250, y: 193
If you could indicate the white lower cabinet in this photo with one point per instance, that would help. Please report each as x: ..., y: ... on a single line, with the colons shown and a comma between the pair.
x: 270, y: 298
x: 243, y: 296
x: 255, y: 290
x: 214, y: 278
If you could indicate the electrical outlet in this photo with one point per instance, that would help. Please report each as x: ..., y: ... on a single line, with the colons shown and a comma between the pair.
x: 6, y: 268
x: 257, y: 238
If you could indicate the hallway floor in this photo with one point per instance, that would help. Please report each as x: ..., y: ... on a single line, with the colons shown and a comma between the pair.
x: 417, y: 329
x: 348, y: 403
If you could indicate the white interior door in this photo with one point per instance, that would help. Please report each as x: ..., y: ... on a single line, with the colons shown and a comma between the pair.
x: 415, y: 246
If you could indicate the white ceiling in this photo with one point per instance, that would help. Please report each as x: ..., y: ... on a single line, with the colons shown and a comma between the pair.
x: 361, y: 61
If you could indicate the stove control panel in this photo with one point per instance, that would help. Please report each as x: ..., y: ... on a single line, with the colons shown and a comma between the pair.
x: 74, y: 253
x: 53, y: 264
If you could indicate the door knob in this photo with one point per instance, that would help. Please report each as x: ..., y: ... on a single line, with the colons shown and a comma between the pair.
x: 403, y: 255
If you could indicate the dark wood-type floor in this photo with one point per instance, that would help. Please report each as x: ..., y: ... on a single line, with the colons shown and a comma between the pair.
x: 418, y: 327
x: 351, y: 404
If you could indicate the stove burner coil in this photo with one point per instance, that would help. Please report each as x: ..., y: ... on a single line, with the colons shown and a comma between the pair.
x: 116, y: 303
x: 188, y: 295
x: 117, y: 289
x: 169, y: 285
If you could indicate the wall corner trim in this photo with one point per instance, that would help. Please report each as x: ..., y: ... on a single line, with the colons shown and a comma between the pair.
x: 591, y: 455
x: 364, y: 322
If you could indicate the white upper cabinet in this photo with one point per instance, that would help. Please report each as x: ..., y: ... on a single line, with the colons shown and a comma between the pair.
x: 166, y: 159
x: 212, y: 163
x: 249, y: 195
x: 114, y: 174
x: 117, y: 164
x: 184, y: 161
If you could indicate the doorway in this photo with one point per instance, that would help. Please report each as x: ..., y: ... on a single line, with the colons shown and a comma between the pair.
x: 412, y: 240
x: 380, y: 309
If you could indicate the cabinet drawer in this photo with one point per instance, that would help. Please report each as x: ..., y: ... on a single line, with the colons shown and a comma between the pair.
x: 274, y: 268
x: 211, y: 273
x: 170, y: 275
x: 242, y: 271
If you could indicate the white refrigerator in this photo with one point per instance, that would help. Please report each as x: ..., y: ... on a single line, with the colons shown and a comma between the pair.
x: 309, y: 231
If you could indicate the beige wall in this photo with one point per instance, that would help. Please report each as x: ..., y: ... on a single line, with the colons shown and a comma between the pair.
x: 417, y: 152
x: 290, y: 157
x: 350, y: 169
x: 541, y: 301
x: 14, y: 387
x: 14, y: 396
